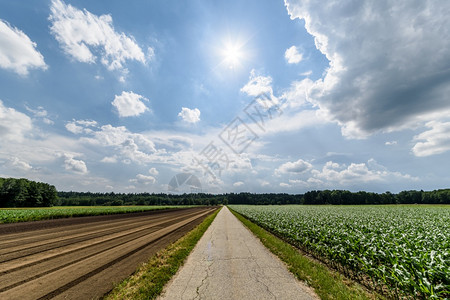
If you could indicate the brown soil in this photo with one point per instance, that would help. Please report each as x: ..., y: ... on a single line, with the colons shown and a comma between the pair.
x: 82, y: 258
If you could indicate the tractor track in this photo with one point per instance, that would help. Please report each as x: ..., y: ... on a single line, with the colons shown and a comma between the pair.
x: 83, y: 260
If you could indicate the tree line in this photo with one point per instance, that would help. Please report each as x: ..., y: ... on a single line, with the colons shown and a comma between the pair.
x: 339, y: 197
x: 323, y: 197
x: 27, y: 193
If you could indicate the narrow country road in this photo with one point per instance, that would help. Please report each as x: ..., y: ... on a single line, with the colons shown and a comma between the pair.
x: 229, y: 262
x: 82, y: 258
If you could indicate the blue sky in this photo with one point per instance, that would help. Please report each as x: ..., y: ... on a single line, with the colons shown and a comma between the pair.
x: 257, y: 96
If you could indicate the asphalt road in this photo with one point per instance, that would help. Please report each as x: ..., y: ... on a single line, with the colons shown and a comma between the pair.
x: 82, y: 258
x: 229, y: 262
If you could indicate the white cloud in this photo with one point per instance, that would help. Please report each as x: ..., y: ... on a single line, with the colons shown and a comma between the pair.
x: 81, y: 33
x: 14, y: 125
x: 153, y: 172
x: 281, y: 114
x: 17, y: 52
x: 75, y: 165
x: 17, y: 164
x: 144, y: 179
x: 80, y: 126
x: 388, y: 61
x: 109, y: 159
x: 334, y: 173
x: 87, y: 123
x: 433, y: 141
x: 190, y: 115
x: 238, y: 184
x: 258, y: 85
x: 40, y: 112
x: 307, y: 73
x: 299, y: 166
x: 129, y: 104
x: 293, y: 56
x: 74, y: 128
x: 131, y: 146
x: 391, y: 143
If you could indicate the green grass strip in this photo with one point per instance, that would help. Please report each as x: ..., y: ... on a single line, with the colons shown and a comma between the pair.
x: 327, y: 284
x: 149, y: 280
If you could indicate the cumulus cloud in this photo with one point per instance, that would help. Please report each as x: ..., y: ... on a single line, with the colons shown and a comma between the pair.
x: 334, y: 173
x: 388, y: 60
x: 74, y: 165
x: 17, y: 52
x: 238, y: 184
x: 13, y: 124
x: 258, y: 85
x: 86, y: 37
x: 190, y: 115
x: 293, y: 56
x: 299, y: 166
x: 129, y: 104
x: 130, y: 146
x: 144, y: 179
x: 436, y: 140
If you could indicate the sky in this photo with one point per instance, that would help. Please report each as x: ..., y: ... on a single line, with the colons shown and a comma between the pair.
x: 242, y: 96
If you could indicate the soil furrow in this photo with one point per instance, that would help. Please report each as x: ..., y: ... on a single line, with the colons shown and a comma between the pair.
x: 39, y: 235
x: 53, y: 273
x: 76, y: 240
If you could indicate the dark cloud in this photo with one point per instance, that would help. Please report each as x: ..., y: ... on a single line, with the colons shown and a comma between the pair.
x: 388, y: 60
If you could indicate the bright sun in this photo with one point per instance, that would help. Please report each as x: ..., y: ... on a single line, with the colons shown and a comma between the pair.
x: 232, y: 55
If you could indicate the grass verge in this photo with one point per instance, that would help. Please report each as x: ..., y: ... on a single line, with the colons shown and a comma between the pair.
x: 328, y: 284
x: 149, y: 280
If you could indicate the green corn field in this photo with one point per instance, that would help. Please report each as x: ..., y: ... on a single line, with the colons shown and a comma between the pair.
x: 402, y: 251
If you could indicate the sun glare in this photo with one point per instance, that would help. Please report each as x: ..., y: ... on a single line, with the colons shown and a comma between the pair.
x: 232, y: 55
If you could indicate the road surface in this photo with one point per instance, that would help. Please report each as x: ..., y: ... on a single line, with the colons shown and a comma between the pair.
x: 229, y: 262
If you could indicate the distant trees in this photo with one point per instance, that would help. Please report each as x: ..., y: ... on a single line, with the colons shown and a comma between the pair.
x: 26, y: 193
x: 338, y: 197
x: 88, y: 198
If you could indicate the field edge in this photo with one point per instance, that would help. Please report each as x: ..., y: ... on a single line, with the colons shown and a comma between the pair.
x: 327, y: 283
x: 149, y: 280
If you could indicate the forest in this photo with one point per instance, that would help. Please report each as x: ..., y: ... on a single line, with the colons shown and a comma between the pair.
x: 26, y: 193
